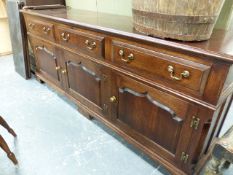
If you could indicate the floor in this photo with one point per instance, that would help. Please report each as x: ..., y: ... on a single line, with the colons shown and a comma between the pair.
x: 54, y: 139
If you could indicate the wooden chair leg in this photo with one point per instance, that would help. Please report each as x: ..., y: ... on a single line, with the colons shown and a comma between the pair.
x: 8, y: 128
x: 5, y: 148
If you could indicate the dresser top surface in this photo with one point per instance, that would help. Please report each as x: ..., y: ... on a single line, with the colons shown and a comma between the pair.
x: 219, y: 46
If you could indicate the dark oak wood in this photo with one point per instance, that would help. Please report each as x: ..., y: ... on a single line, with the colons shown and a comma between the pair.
x: 167, y: 98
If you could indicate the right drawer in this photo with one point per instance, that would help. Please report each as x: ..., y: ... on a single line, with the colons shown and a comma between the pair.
x: 168, y: 69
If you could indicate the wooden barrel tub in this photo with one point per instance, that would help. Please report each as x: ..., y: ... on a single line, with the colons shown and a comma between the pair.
x: 187, y: 20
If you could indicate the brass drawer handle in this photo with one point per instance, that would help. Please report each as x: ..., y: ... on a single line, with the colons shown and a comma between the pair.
x: 31, y: 25
x: 46, y: 30
x: 130, y: 57
x: 113, y: 99
x: 90, y: 45
x: 65, y: 37
x: 184, y: 74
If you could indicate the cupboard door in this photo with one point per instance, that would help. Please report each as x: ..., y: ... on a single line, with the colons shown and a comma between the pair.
x: 86, y: 81
x: 154, y: 118
x: 47, y: 62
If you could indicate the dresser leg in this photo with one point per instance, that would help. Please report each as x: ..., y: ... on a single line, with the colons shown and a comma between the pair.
x: 8, y: 128
x: 5, y: 148
x: 39, y: 80
x: 212, y: 167
x: 85, y: 113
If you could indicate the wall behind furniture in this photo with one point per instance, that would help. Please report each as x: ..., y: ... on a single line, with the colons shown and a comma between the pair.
x: 226, y: 16
x: 2, y: 9
x: 123, y: 7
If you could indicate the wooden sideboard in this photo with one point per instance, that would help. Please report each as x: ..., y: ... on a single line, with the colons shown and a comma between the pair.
x: 167, y: 98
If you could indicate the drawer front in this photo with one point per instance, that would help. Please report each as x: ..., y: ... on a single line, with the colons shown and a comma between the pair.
x: 158, y: 66
x: 78, y: 41
x: 41, y: 28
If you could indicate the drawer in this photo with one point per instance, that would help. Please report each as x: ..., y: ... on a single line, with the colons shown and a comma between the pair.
x: 79, y: 41
x: 161, y: 67
x: 41, y: 28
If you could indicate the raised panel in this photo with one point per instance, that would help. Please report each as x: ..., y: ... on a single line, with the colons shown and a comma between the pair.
x: 150, y: 118
x: 46, y: 61
x: 83, y: 81
x: 86, y: 81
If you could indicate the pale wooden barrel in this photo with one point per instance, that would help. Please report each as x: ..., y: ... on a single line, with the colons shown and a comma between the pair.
x: 187, y: 20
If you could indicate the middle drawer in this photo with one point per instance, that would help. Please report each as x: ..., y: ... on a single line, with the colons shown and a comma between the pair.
x: 81, y: 42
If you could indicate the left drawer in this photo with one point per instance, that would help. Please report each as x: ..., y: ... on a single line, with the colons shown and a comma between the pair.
x: 40, y: 28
